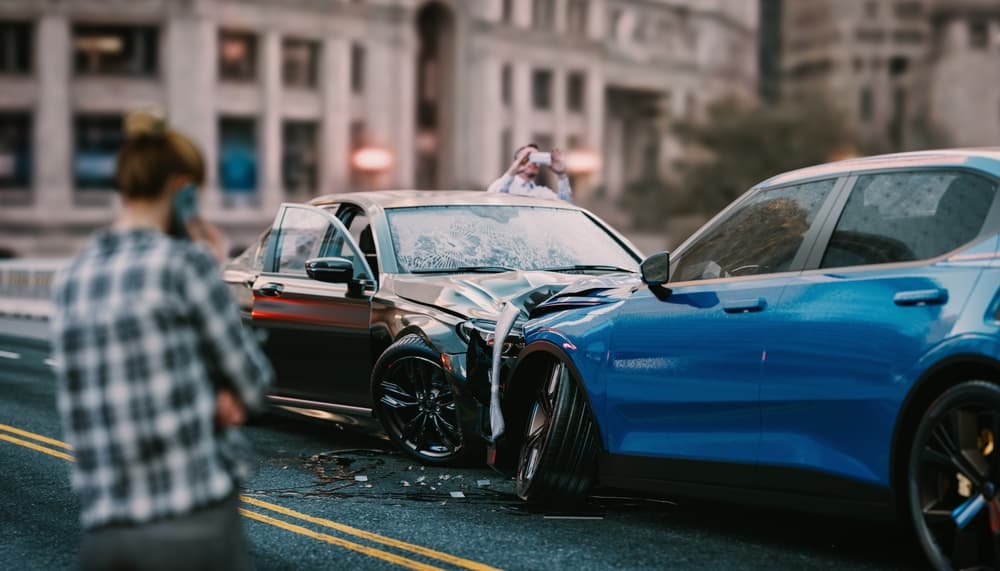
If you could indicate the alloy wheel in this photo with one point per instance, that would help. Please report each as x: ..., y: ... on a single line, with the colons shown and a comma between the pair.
x: 954, y: 476
x: 539, y: 424
x: 419, y: 408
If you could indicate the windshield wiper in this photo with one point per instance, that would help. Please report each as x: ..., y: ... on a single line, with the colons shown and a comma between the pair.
x: 466, y: 269
x: 585, y: 267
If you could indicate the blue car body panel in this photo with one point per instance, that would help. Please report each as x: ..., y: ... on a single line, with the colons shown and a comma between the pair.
x: 800, y: 372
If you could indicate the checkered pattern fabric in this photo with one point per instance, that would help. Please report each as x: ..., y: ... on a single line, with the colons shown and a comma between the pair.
x: 144, y: 331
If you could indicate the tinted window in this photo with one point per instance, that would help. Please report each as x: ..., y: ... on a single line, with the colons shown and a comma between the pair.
x: 900, y: 217
x: 761, y: 236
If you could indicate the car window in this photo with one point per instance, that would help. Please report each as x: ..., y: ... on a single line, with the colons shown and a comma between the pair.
x: 443, y: 238
x: 760, y: 236
x: 303, y: 235
x: 900, y: 217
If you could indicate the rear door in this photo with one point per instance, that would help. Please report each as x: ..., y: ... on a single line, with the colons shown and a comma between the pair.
x: 317, y: 334
x: 848, y: 333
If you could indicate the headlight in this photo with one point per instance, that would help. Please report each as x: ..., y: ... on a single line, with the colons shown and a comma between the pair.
x: 484, y: 331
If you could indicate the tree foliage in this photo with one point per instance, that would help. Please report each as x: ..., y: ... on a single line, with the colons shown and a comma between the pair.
x: 742, y: 146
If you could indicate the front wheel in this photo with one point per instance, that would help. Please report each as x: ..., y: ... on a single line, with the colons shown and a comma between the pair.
x: 415, y: 403
x: 953, y: 477
x: 558, y: 457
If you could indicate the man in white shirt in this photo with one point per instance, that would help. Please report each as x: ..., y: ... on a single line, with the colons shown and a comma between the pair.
x: 520, y: 177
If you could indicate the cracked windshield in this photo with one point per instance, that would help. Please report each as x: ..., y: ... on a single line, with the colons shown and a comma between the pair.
x: 490, y: 237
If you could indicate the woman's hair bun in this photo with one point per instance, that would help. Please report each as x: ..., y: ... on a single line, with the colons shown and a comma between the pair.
x: 145, y: 123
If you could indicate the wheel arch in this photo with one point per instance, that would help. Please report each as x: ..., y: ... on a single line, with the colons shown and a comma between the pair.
x: 936, y: 380
x: 517, y: 397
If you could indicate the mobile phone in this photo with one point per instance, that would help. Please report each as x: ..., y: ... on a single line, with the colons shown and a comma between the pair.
x: 540, y: 158
x: 185, y: 207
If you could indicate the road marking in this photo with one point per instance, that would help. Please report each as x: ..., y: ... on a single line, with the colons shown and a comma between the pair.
x: 374, y: 537
x: 37, y: 437
x: 369, y: 551
x: 10, y: 355
x: 37, y: 447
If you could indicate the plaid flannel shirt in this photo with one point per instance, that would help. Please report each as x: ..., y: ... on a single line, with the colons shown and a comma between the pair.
x: 144, y: 332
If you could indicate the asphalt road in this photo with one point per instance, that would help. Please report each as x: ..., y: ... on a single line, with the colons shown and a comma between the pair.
x: 327, y: 498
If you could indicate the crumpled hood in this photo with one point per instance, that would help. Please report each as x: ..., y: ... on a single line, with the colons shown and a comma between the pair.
x: 483, y: 295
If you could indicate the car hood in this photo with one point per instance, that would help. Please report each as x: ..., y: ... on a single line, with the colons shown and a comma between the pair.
x: 483, y: 295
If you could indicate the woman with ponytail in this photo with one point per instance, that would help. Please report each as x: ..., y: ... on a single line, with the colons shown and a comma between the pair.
x: 155, y: 371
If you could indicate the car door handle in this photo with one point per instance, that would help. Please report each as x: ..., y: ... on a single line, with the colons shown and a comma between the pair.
x: 271, y: 289
x: 748, y: 305
x: 936, y: 296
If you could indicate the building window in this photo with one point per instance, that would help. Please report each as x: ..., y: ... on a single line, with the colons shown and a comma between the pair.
x: 116, y: 50
x: 909, y: 10
x: 357, y: 68
x: 507, y: 11
x: 506, y: 88
x: 506, y: 150
x: 15, y: 47
x: 575, y: 91
x: 978, y: 34
x: 615, y: 24
x: 15, y: 150
x: 577, y: 18
x: 238, y: 160
x: 544, y: 15
x: 237, y: 56
x: 300, y: 156
x: 866, y: 105
x: 300, y: 63
x: 358, y: 139
x: 541, y: 89
x: 871, y: 9
x: 98, y: 139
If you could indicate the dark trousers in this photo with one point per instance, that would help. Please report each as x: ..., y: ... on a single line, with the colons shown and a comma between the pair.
x: 209, y: 538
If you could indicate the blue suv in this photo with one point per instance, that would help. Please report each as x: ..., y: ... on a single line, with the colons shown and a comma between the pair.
x: 830, y: 341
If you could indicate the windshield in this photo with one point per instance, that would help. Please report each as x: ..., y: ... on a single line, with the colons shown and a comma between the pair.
x: 463, y: 238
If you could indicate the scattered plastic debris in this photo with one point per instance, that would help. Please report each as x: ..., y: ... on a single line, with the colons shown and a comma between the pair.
x: 482, y: 483
x: 404, y: 483
x: 361, y: 478
x: 457, y: 495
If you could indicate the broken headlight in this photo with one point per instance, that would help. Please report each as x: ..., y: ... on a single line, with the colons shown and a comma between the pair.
x: 483, y: 330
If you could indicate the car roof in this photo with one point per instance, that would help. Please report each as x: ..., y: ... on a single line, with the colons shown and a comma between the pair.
x: 404, y: 198
x: 985, y: 158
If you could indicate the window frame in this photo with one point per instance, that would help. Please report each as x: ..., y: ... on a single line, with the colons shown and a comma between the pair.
x: 809, y: 240
x: 991, y: 224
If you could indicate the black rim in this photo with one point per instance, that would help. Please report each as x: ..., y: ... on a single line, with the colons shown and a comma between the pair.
x: 954, y: 487
x: 419, y: 407
x: 539, y: 424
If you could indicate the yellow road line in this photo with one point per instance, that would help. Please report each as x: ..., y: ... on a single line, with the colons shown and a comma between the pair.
x: 374, y: 537
x: 38, y: 447
x: 369, y: 551
x: 34, y: 436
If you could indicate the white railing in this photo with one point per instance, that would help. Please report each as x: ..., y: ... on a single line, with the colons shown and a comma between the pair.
x: 26, y: 287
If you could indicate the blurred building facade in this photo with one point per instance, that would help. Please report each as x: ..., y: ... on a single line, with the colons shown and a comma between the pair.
x: 908, y: 73
x: 294, y: 98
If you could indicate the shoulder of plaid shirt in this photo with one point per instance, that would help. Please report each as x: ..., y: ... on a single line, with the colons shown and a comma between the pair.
x: 144, y: 333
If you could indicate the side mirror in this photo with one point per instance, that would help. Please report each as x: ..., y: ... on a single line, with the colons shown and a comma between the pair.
x: 655, y: 272
x: 332, y: 270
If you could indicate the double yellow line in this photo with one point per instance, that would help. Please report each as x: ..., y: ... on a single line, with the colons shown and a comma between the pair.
x: 31, y: 440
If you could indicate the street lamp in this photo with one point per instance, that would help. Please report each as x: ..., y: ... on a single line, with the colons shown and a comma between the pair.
x: 372, y: 159
x: 582, y: 161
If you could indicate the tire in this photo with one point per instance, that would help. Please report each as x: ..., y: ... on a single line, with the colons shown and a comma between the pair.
x: 415, y: 403
x: 558, y: 456
x: 952, y: 476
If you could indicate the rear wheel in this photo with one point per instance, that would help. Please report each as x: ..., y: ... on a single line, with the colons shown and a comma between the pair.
x: 415, y: 403
x: 558, y: 457
x: 953, y: 476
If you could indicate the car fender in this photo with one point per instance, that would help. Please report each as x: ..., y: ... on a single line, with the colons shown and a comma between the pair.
x: 980, y: 351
